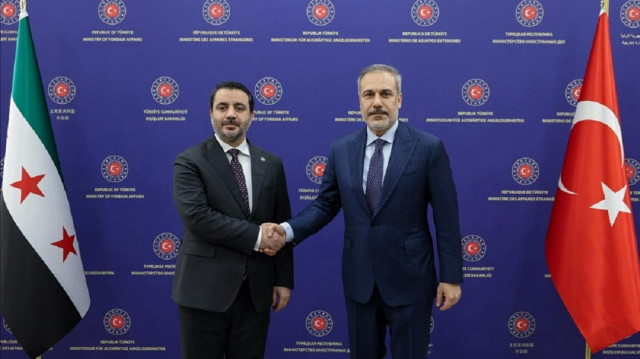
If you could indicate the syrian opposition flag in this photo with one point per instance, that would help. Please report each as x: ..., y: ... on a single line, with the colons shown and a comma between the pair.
x: 591, y: 245
x: 43, y: 290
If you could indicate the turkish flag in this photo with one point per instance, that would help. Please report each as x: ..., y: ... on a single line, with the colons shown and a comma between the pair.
x: 591, y: 245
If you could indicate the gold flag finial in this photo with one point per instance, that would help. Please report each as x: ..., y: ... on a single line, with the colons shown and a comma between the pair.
x: 23, y: 5
x: 605, y: 5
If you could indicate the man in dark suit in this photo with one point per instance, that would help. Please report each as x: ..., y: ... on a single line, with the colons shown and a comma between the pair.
x: 224, y: 188
x: 384, y: 177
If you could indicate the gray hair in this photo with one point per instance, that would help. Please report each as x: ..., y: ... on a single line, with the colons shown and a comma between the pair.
x: 384, y: 68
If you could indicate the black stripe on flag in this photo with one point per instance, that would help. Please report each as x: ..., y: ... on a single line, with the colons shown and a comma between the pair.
x: 35, y: 306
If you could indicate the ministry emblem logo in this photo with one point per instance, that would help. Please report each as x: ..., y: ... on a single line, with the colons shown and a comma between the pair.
x: 112, y: 12
x: 61, y: 90
x: 9, y: 12
x: 320, y: 12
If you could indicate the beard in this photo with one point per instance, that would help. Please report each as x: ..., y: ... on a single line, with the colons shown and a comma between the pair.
x: 228, y: 136
x: 231, y: 136
x: 378, y: 125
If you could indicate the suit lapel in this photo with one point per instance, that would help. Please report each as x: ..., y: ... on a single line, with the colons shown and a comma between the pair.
x: 403, y: 146
x: 356, y: 161
x: 220, y: 163
x: 258, y: 171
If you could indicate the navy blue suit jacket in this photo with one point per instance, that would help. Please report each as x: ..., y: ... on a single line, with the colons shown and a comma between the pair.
x: 392, y: 247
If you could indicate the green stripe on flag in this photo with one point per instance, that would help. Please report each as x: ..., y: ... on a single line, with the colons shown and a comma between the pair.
x: 28, y: 92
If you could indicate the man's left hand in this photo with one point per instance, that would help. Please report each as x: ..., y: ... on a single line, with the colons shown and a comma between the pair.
x: 448, y: 295
x: 281, y: 296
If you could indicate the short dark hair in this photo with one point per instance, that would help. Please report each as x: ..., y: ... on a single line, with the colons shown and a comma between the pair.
x: 231, y: 85
x: 383, y: 68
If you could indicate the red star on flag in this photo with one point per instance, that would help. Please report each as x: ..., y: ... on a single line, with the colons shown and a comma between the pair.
x: 66, y: 243
x: 28, y: 185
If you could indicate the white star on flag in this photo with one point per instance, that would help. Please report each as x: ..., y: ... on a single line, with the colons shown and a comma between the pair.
x: 613, y: 202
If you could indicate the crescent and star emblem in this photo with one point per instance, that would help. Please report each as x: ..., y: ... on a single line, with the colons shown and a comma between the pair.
x: 425, y: 12
x: 613, y: 201
x: 8, y: 10
x: 112, y: 10
x: 320, y: 11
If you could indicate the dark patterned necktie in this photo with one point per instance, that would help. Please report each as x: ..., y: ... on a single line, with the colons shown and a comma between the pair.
x: 237, y: 170
x: 374, y: 177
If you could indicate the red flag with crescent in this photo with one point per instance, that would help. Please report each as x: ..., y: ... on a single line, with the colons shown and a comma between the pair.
x: 591, y: 245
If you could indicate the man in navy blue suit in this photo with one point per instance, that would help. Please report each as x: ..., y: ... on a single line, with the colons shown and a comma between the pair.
x: 384, y: 177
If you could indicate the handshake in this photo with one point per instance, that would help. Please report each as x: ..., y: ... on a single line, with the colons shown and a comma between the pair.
x: 273, y: 238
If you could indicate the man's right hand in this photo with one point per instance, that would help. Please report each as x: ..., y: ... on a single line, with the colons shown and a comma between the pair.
x: 273, y: 238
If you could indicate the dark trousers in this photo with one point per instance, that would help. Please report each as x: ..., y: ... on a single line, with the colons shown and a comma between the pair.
x: 238, y: 333
x: 409, y: 329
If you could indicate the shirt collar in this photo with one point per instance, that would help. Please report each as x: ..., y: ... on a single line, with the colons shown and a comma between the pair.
x: 388, y: 136
x: 243, y: 148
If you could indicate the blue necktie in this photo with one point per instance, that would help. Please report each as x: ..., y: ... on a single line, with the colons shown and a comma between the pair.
x: 237, y: 171
x: 374, y: 177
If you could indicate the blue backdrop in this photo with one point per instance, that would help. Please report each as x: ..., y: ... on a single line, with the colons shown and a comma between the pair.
x: 128, y: 85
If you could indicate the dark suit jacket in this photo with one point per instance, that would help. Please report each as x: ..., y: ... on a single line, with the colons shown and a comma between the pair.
x: 393, y: 247
x: 219, y: 235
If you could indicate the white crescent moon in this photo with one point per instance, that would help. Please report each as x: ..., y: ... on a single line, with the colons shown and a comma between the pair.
x: 61, y: 91
x: 165, y: 90
x: 112, y: 10
x: 6, y: 10
x: 472, y: 247
x: 595, y: 111
x: 529, y: 13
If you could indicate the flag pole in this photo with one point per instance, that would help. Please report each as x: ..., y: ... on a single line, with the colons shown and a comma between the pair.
x: 587, y: 350
x: 23, y: 7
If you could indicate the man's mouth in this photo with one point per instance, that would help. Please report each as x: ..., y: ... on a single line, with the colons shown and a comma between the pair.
x: 230, y: 124
x: 378, y: 111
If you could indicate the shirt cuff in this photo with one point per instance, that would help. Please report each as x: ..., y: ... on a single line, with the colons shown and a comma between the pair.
x: 256, y: 247
x: 289, y: 231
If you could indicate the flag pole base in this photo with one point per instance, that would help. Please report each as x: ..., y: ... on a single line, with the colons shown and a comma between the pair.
x: 587, y: 351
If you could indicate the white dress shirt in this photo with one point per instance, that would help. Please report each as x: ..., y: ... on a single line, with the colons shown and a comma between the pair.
x: 386, y: 152
x: 244, y: 157
x: 368, y: 152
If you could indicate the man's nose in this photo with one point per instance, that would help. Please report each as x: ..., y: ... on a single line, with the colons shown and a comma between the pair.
x: 377, y: 101
x: 231, y: 114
